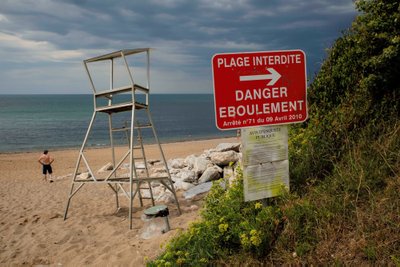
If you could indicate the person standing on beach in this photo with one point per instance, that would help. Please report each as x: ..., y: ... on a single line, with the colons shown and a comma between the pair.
x: 46, y: 162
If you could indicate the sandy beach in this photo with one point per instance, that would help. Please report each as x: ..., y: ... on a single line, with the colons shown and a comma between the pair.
x: 32, y: 229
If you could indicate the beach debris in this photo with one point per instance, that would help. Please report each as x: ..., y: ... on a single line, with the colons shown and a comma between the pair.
x: 193, y: 207
x: 152, y: 227
x: 107, y: 167
x: 64, y: 176
x: 153, y: 161
x: 84, y: 175
x: 140, y: 165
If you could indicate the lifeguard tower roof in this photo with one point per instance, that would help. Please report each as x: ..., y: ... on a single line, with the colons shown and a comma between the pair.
x: 117, y: 54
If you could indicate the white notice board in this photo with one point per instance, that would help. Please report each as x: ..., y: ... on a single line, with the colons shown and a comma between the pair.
x: 265, y: 161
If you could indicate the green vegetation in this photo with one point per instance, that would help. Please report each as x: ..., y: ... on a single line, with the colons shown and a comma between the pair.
x: 344, y: 204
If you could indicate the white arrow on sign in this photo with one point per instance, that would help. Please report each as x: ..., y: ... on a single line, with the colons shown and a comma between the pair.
x: 273, y: 76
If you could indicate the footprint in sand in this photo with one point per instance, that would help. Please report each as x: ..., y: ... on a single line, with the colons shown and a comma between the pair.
x: 36, y: 218
x: 24, y: 222
x: 106, y: 249
x: 78, y: 238
x: 15, y: 254
x: 54, y: 216
x: 64, y: 239
x: 73, y: 247
x: 19, y: 229
x: 90, y: 259
x: 41, y: 261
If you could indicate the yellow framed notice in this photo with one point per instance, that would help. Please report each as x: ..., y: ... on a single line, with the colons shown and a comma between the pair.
x: 265, y: 161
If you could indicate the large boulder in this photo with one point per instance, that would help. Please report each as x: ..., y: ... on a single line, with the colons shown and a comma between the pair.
x: 187, y: 175
x: 200, y: 165
x: 184, y: 174
x: 181, y: 185
x: 157, y: 192
x: 171, y: 171
x: 228, y: 146
x: 166, y: 197
x: 208, y: 152
x: 210, y: 174
x: 201, y: 188
x: 158, y: 172
x: 198, y: 189
x: 230, y: 174
x: 189, y: 161
x: 176, y: 163
x: 224, y: 158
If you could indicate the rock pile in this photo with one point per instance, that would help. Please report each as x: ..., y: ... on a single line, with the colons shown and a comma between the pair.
x: 211, y: 165
x: 194, y: 174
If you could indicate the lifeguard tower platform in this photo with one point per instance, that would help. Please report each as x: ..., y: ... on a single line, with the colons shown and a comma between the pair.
x: 126, y: 99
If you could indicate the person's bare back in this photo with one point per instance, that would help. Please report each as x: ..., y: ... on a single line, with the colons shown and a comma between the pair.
x: 45, y: 160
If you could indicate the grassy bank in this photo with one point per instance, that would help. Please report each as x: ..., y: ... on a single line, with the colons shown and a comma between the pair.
x: 343, y: 207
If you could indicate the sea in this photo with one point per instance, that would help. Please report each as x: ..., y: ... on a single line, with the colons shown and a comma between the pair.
x: 38, y: 122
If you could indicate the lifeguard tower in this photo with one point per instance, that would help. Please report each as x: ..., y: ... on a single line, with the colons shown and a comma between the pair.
x: 129, y: 175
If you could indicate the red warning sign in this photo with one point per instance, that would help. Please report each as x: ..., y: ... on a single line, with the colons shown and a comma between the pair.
x: 259, y: 88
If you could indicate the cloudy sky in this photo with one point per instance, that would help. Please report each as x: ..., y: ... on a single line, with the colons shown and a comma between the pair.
x: 43, y: 42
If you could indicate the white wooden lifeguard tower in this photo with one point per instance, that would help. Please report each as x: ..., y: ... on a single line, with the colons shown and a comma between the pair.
x: 132, y: 100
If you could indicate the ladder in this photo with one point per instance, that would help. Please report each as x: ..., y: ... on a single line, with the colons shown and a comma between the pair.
x: 131, y: 100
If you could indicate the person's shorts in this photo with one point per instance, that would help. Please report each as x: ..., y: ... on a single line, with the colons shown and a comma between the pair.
x: 47, y: 169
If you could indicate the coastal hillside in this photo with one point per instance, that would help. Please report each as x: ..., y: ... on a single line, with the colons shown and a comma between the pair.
x: 344, y: 205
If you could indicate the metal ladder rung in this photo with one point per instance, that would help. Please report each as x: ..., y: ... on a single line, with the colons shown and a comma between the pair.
x: 141, y: 126
x: 146, y: 125
x: 120, y: 129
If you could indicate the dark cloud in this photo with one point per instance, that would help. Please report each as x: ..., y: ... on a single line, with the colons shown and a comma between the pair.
x: 185, y: 34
